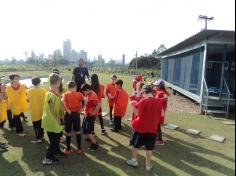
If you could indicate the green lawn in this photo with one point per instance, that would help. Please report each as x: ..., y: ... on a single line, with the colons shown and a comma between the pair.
x: 182, y: 155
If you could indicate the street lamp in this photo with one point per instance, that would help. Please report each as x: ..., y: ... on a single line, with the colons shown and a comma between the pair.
x: 206, y: 19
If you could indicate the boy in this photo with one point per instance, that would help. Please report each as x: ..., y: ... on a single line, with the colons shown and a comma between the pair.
x: 51, y: 120
x: 3, y: 104
x: 36, y: 98
x: 121, y: 99
x: 72, y: 102
x: 110, y: 92
x: 17, y: 101
x: 92, y: 107
x: 149, y: 112
x: 136, y: 80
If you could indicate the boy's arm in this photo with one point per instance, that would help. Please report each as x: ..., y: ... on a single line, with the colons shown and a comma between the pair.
x: 135, y: 110
x: 64, y: 105
x: 97, y: 109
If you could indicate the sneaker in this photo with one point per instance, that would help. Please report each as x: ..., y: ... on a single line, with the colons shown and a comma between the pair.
x: 93, y: 148
x: 79, y: 151
x: 47, y: 161
x: 114, y: 130
x: 2, y: 148
x: 159, y: 143
x: 111, y: 122
x: 21, y: 134
x: 55, y: 160
x: 149, y: 167
x: 39, y: 141
x: 132, y: 162
x: 67, y: 151
x: 103, y: 131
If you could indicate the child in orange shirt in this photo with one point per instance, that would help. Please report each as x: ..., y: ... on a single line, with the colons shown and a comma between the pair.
x: 72, y: 102
x: 99, y: 90
x: 121, y: 99
x: 110, y: 92
x: 92, y: 107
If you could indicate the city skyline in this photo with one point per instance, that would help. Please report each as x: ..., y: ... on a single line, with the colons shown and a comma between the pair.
x: 111, y: 28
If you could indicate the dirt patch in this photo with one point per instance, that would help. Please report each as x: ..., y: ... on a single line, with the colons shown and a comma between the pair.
x: 179, y: 103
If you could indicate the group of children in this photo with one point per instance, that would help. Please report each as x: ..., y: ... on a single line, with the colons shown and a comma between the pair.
x: 56, y: 112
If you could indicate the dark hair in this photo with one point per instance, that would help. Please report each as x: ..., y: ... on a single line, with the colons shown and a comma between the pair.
x: 163, y: 88
x: 54, y: 78
x: 147, y: 89
x: 56, y: 70
x: 36, y: 81
x: 85, y: 87
x: 95, y: 86
x: 13, y: 76
x: 114, y: 76
x: 119, y: 82
x: 71, y: 85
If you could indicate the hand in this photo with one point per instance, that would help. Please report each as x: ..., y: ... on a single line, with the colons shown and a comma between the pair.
x: 68, y: 111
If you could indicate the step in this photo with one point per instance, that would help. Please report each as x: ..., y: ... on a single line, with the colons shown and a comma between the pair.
x: 214, y: 105
x: 215, y: 112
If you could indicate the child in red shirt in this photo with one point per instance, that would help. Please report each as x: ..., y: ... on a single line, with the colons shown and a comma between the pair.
x: 72, y: 102
x: 137, y: 79
x: 148, y: 112
x: 110, y: 92
x: 162, y: 94
x: 99, y: 90
x: 121, y: 99
x: 92, y: 107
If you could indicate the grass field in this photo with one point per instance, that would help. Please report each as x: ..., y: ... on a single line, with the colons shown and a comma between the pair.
x: 183, y: 155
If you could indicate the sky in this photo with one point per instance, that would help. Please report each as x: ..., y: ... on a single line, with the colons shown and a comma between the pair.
x: 107, y: 27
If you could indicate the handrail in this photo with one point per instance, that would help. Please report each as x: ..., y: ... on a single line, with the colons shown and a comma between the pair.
x: 229, y: 96
x: 207, y: 95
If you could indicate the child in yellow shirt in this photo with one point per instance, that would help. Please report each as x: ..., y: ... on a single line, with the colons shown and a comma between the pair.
x: 3, y: 104
x: 17, y: 102
x: 36, y: 98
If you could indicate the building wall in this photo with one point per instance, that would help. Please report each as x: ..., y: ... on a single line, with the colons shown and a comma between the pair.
x: 185, y: 70
x: 67, y: 50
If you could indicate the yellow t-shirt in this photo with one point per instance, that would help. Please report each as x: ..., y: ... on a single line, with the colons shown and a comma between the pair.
x: 3, y: 111
x: 36, y: 97
x: 17, y: 99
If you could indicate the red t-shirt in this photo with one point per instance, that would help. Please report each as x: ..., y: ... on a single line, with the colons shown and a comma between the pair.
x: 149, y: 117
x: 137, y: 79
x: 121, y: 103
x: 111, y: 89
x: 160, y: 95
x: 92, y: 103
x: 136, y: 98
x: 73, y: 101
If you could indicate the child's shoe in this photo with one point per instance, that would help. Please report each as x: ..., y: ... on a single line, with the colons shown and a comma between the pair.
x: 67, y: 151
x: 132, y: 162
x: 103, y: 131
x: 47, y: 161
x: 21, y: 134
x: 159, y: 143
x: 149, y: 167
x: 78, y: 151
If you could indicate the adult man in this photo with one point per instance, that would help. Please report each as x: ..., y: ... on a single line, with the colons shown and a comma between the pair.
x: 79, y: 74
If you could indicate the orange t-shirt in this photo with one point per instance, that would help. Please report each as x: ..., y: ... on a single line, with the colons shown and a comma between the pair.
x: 111, y: 89
x: 73, y: 101
x: 101, y: 93
x: 92, y: 103
x: 121, y: 103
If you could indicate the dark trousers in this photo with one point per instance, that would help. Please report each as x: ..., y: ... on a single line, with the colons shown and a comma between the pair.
x: 38, y: 129
x: 10, y: 119
x: 2, y: 124
x: 159, y: 133
x: 54, y: 146
x: 117, y: 123
x: 111, y: 110
x: 18, y: 124
x: 101, y: 121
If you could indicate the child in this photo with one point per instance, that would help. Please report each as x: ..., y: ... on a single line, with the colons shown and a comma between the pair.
x: 3, y: 104
x: 121, y: 99
x: 36, y: 98
x: 99, y: 90
x: 72, y: 102
x: 51, y: 120
x: 137, y: 96
x: 149, y: 112
x: 162, y: 94
x: 92, y: 107
x: 17, y: 101
x: 110, y: 92
x: 137, y: 79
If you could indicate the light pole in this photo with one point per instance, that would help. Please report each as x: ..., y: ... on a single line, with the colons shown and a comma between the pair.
x: 206, y: 19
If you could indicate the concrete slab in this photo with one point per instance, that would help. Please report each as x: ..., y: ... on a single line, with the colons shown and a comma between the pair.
x: 171, y: 126
x: 192, y: 131
x: 217, y: 138
x: 229, y: 123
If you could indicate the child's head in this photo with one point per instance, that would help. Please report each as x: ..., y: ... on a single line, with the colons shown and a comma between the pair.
x: 95, y: 83
x: 139, y: 86
x: 55, y: 70
x: 159, y: 85
x: 114, y: 79
x: 119, y: 83
x: 36, y: 81
x: 147, y: 90
x: 86, y: 89
x: 55, y: 80
x: 15, y: 79
x: 72, y: 86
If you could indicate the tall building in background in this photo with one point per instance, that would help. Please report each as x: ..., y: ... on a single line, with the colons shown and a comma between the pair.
x: 74, y: 55
x: 123, y: 59
x: 67, y: 52
x: 84, y: 55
